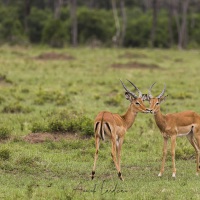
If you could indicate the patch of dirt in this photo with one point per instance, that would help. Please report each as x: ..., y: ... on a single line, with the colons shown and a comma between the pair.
x: 43, y: 137
x: 54, y: 56
x: 135, y: 65
x: 133, y: 55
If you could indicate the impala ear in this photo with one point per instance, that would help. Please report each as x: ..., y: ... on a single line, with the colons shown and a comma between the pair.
x: 128, y: 96
x: 145, y: 97
x: 162, y: 99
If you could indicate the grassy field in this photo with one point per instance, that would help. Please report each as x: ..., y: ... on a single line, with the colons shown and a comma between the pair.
x: 48, y: 90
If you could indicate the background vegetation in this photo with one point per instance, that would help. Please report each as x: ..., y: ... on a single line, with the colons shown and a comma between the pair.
x: 146, y: 23
x: 60, y: 92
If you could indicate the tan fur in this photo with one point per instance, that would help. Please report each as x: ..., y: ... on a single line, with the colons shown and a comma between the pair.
x: 118, y: 124
x: 171, y: 125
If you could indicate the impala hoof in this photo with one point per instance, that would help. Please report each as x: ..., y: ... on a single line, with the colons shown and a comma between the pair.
x: 174, y: 175
x: 93, y: 174
x: 120, y: 176
x: 160, y: 174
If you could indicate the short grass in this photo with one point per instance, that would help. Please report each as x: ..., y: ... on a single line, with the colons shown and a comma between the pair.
x: 31, y: 90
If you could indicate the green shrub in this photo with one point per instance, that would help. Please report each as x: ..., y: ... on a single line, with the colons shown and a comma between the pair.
x: 138, y: 31
x: 4, y: 133
x: 36, y: 22
x: 28, y: 161
x: 86, y: 126
x: 39, y: 127
x: 16, y: 108
x: 4, y: 154
x: 4, y: 79
x: 65, y: 122
x: 95, y: 24
x: 50, y: 96
x: 11, y: 29
x: 56, y: 125
x: 194, y: 29
x: 55, y: 33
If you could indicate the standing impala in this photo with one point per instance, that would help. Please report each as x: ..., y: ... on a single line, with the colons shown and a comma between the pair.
x: 115, y: 126
x: 172, y: 125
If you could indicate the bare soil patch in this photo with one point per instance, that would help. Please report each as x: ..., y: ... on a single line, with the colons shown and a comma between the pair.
x: 135, y: 65
x: 43, y: 137
x: 54, y: 56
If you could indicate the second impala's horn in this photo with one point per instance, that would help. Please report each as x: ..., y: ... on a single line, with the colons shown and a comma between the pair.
x: 162, y: 93
x: 150, y: 95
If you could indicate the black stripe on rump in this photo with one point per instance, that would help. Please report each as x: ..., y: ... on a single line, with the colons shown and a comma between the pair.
x: 108, y: 126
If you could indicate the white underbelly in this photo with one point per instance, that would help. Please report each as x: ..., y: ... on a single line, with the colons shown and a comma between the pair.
x: 184, y: 130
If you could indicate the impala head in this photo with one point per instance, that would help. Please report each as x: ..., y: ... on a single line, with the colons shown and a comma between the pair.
x: 136, y: 101
x: 155, y: 101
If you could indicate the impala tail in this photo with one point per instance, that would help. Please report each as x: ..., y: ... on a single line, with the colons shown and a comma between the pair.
x: 99, y: 130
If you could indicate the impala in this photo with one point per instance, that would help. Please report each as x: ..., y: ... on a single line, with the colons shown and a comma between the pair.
x: 115, y: 126
x: 173, y: 125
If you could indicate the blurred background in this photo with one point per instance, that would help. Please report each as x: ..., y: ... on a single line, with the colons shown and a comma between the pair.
x: 108, y: 23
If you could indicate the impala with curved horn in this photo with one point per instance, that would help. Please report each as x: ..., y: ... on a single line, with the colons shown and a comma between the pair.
x: 172, y: 125
x: 115, y: 126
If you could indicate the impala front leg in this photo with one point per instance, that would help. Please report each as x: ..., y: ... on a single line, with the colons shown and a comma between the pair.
x: 164, y: 156
x: 173, y: 146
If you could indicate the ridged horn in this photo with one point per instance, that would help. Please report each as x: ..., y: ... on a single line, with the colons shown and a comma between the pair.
x: 140, y: 93
x: 135, y: 96
x: 162, y: 93
x: 149, y: 91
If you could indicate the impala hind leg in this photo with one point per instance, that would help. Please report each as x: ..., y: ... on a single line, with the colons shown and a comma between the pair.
x: 97, y: 141
x: 113, y: 154
x: 164, y: 157
x: 196, y: 146
x: 198, y: 153
x: 119, y: 147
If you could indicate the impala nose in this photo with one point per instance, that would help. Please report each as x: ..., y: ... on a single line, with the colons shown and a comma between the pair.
x: 149, y: 110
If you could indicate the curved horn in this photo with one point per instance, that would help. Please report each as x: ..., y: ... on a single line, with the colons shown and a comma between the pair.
x: 150, y: 95
x: 135, y: 96
x: 140, y: 93
x: 162, y: 93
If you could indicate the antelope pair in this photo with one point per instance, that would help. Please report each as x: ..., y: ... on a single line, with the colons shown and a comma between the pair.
x: 185, y: 123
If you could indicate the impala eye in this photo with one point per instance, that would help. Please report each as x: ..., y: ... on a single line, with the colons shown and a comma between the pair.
x: 137, y: 103
x: 157, y: 103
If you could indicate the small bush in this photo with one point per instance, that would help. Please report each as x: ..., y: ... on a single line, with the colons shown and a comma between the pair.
x: 16, y: 108
x: 4, y: 133
x: 64, y: 122
x: 4, y: 154
x: 39, y: 127
x: 50, y: 96
x: 56, y: 125
x: 86, y: 126
x: 27, y: 161
x: 4, y: 79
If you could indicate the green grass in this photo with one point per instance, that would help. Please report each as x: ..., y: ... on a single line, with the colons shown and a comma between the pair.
x: 65, y: 95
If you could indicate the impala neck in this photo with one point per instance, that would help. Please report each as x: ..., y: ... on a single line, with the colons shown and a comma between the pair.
x: 160, y: 120
x: 129, y: 117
